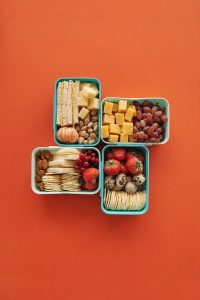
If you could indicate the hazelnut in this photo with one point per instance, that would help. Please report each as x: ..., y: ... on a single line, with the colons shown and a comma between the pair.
x: 91, y: 142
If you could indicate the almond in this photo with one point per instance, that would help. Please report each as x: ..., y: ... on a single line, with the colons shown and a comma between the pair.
x: 39, y: 164
x: 38, y: 178
x: 47, y: 154
x: 44, y: 164
x: 41, y: 173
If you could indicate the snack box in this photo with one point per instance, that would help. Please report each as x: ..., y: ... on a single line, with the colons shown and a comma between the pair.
x: 54, y: 148
x: 161, y: 101
x: 145, y: 151
x: 55, y: 127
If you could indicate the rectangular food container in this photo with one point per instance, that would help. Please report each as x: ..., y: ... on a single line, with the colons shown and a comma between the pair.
x: 55, y: 127
x: 161, y: 101
x: 52, y: 148
x: 145, y: 151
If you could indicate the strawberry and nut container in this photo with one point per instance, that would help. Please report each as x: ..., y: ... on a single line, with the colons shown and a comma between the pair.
x: 75, y: 166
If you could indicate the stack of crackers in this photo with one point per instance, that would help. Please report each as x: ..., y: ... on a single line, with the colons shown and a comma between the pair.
x: 123, y: 201
x: 61, y: 175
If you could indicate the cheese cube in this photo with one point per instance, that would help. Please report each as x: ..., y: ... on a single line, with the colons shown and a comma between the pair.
x: 83, y: 113
x: 108, y: 106
x: 119, y: 118
x: 89, y: 92
x: 129, y: 114
x: 93, y: 103
x: 131, y: 139
x: 122, y: 107
x: 115, y: 107
x: 113, y: 138
x: 127, y: 128
x: 114, y: 128
x: 133, y: 107
x: 108, y: 119
x: 104, y: 131
x: 82, y: 101
x: 123, y: 138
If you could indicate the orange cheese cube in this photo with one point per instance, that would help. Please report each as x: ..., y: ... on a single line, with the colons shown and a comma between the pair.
x: 114, y: 128
x: 129, y: 114
x: 122, y: 107
x: 104, y: 132
x: 115, y: 107
x: 119, y: 118
x: 113, y: 138
x: 108, y: 106
x: 127, y: 128
x: 123, y: 138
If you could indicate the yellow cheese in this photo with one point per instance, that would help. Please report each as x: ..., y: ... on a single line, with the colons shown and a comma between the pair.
x: 129, y: 114
x: 115, y: 107
x: 89, y: 92
x: 119, y: 118
x: 104, y: 131
x: 127, y: 128
x: 113, y: 138
x: 131, y: 139
x: 108, y: 106
x: 122, y: 107
x: 82, y: 101
x: 114, y: 128
x: 108, y: 119
x: 83, y: 113
x: 93, y: 103
x: 123, y: 138
x: 133, y: 107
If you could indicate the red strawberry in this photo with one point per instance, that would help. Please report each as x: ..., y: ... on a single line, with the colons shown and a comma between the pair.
x: 134, y: 165
x: 130, y: 154
x: 112, y: 167
x: 90, y: 186
x: 90, y: 175
x: 109, y: 155
x: 124, y: 169
x: 119, y: 153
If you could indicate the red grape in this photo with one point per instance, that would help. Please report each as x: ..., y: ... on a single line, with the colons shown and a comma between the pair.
x: 93, y: 159
x: 146, y: 109
x: 144, y: 115
x: 150, y: 131
x: 149, y: 118
x: 97, y: 161
x: 76, y: 167
x: 82, y: 156
x: 79, y: 161
x: 156, y: 119
x: 155, y: 134
x: 164, y: 118
x: 89, y: 152
x: 82, y: 169
x: 154, y: 109
x: 137, y: 124
x: 93, y: 154
x: 158, y: 113
x: 155, y: 126
x: 135, y: 129
x: 152, y: 140
x: 159, y: 130
x: 139, y: 115
x: 86, y: 164
x: 88, y: 158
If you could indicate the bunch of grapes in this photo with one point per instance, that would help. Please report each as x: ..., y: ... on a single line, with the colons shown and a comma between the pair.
x: 87, y: 159
x: 149, y: 122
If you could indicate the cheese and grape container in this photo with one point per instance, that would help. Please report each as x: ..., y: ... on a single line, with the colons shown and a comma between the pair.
x: 125, y: 179
x: 141, y: 121
x: 66, y: 170
x: 76, y: 115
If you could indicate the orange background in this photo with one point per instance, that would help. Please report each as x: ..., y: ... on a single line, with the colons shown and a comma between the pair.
x: 64, y: 247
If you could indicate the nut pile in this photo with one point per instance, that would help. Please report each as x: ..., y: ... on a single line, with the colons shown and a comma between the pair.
x: 88, y: 128
x: 42, y: 159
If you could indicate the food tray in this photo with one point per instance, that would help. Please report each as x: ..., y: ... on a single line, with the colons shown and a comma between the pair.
x: 145, y: 151
x: 161, y: 101
x: 82, y: 79
x: 51, y: 148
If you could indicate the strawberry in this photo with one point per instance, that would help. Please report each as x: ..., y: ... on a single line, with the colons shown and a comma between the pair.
x: 119, y: 153
x: 124, y: 169
x: 90, y: 186
x: 90, y: 175
x: 112, y: 167
x: 109, y: 155
x: 134, y: 165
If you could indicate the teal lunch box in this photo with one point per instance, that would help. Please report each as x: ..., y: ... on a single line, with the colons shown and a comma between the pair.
x: 161, y: 101
x: 145, y: 151
x: 55, y: 127
x: 54, y: 148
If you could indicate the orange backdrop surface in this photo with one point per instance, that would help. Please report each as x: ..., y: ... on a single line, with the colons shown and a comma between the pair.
x: 64, y: 247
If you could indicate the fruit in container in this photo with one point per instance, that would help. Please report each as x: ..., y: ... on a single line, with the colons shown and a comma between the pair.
x: 90, y: 186
x: 124, y: 169
x: 134, y: 165
x: 90, y: 175
x: 119, y: 153
x: 112, y: 167
x: 67, y: 135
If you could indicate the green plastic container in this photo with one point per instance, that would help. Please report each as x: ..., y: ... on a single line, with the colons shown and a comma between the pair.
x: 161, y: 101
x: 55, y: 127
x: 145, y: 151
